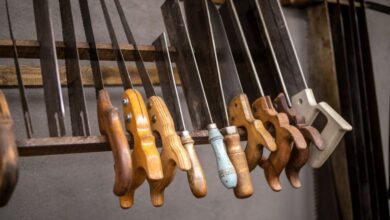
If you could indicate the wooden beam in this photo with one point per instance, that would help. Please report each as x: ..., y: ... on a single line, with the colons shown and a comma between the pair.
x: 32, y: 75
x: 30, y: 49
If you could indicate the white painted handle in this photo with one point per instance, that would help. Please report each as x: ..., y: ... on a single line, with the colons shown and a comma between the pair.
x: 304, y: 102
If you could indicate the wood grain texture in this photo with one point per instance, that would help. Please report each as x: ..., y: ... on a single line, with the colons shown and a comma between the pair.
x: 111, y: 127
x: 285, y: 136
x: 9, y: 159
x: 196, y: 177
x: 146, y: 158
x: 173, y: 153
x: 32, y: 75
x: 298, y: 156
x: 244, y: 188
x: 240, y: 115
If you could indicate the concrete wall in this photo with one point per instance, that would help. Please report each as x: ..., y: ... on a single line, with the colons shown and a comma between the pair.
x: 79, y: 186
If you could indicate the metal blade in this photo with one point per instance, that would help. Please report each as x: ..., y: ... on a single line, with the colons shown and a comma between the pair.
x: 199, y: 22
x: 186, y: 63
x: 22, y: 92
x: 126, y: 80
x: 146, y: 81
x: 229, y: 76
x: 78, y: 109
x: 92, y: 51
x: 262, y: 50
x: 241, y: 53
x: 50, y: 74
x: 167, y: 81
x: 283, y: 46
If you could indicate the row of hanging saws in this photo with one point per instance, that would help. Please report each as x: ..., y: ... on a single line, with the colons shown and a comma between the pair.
x: 228, y: 89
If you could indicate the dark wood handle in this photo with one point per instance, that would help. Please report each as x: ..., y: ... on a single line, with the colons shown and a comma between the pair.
x: 9, y: 167
x: 244, y: 188
x: 110, y: 126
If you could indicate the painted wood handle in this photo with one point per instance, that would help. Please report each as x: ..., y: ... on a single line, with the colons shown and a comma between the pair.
x: 285, y: 136
x: 173, y: 153
x: 146, y: 158
x: 196, y: 177
x: 9, y: 158
x: 244, y: 188
x: 227, y: 173
x: 240, y: 114
x: 110, y: 126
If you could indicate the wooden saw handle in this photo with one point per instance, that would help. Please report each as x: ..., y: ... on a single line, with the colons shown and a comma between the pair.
x: 312, y: 136
x: 244, y: 188
x: 9, y: 158
x: 146, y: 158
x: 173, y: 153
x: 285, y: 136
x: 240, y: 115
x: 196, y: 177
x: 110, y: 126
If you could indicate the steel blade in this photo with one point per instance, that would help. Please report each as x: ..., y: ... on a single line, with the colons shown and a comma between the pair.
x: 78, y: 109
x: 50, y: 73
x: 203, y: 42
x: 262, y: 50
x: 228, y: 71
x: 26, y: 111
x: 146, y: 81
x: 186, y: 63
x: 167, y: 81
x: 126, y: 80
x: 241, y: 53
x: 92, y: 51
x: 283, y: 46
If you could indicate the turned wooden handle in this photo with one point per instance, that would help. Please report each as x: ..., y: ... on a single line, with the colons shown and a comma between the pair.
x: 244, y: 188
x: 285, y: 136
x: 298, y: 157
x: 240, y: 114
x: 196, y: 177
x: 110, y: 126
x: 146, y: 158
x: 173, y: 153
x: 9, y: 158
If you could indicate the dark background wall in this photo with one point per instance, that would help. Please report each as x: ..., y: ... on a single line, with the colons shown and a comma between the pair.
x: 79, y: 186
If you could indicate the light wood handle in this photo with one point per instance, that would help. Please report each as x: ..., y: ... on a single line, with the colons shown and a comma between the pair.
x: 244, y: 188
x: 196, y: 177
x: 146, y: 158
x: 110, y: 126
x: 173, y: 153
x: 285, y: 136
x: 240, y: 114
x: 9, y: 158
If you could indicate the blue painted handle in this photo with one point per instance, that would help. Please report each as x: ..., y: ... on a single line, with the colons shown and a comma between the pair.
x: 226, y: 171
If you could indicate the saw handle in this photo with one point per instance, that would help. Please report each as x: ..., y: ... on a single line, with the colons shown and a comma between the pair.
x: 146, y: 158
x: 244, y: 188
x: 240, y: 114
x: 195, y: 175
x: 173, y: 153
x: 227, y: 173
x: 9, y: 158
x: 304, y: 102
x: 110, y: 126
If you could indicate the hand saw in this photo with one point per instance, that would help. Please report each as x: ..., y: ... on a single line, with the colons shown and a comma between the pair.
x: 50, y: 74
x: 195, y: 175
x: 193, y: 89
x: 202, y: 16
x: 108, y: 117
x: 303, y: 99
x: 26, y: 111
x: 278, y: 123
x: 173, y: 153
